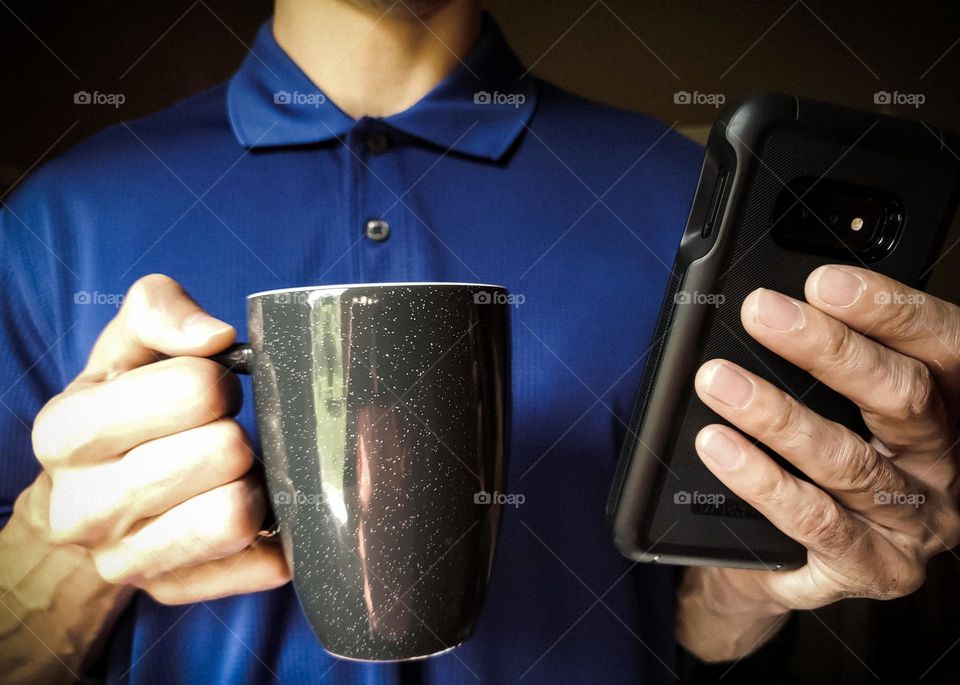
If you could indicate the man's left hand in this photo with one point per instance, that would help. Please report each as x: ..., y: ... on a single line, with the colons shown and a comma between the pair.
x: 876, y: 510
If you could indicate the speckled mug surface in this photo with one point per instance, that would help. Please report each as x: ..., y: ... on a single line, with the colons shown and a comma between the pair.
x: 383, y: 413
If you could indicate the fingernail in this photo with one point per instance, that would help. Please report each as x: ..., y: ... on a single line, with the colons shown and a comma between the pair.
x: 729, y: 386
x: 721, y: 450
x: 839, y: 287
x: 777, y: 312
x: 201, y: 324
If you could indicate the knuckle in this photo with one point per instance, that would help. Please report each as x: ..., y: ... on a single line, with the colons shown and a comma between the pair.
x: 771, y: 491
x: 194, y: 375
x: 113, y: 570
x: 143, y: 293
x: 67, y: 526
x: 212, y: 536
x: 902, y: 316
x: 841, y: 348
x: 250, y: 503
x: 824, y: 524
x: 79, y: 518
x: 144, y: 305
x: 238, y: 523
x: 856, y: 466
x: 914, y: 393
x: 71, y: 530
x: 64, y: 532
x: 205, y: 386
x: 945, y: 324
x: 115, y: 575
x: 45, y: 437
x: 230, y: 445
x: 787, y: 422
x: 232, y: 536
x: 58, y: 429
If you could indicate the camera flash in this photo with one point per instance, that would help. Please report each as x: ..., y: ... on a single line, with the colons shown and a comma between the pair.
x: 856, y: 224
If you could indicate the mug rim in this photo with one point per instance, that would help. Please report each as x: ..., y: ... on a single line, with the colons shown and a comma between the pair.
x: 347, y: 286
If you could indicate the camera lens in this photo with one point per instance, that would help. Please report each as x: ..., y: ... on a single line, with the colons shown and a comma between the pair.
x: 836, y: 218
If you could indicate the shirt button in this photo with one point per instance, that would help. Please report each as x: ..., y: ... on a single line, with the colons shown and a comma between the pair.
x: 378, y: 142
x: 377, y: 230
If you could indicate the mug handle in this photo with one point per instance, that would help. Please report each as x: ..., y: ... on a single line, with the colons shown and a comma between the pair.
x: 238, y: 358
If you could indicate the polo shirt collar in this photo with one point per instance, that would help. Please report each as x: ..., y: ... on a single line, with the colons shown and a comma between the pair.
x: 479, y: 109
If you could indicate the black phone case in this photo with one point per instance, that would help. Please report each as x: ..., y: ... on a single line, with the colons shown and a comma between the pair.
x: 657, y: 499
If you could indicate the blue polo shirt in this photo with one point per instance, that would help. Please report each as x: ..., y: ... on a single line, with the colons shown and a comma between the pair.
x: 263, y: 183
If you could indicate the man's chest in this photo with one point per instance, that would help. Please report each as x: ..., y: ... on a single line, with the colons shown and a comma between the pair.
x: 585, y: 284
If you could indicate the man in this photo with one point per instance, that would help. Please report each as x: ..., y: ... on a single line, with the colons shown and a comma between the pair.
x: 378, y: 141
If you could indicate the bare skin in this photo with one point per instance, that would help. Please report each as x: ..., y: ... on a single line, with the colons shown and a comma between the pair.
x: 156, y: 494
x: 878, y: 510
x: 183, y: 527
x: 180, y: 515
x: 377, y: 57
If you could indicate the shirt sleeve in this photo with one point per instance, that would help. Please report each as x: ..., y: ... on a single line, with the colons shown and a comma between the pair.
x: 31, y: 361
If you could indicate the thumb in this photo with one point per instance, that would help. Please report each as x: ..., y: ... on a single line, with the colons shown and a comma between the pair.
x: 158, y: 318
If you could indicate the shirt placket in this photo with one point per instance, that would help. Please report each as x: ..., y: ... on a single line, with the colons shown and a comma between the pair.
x: 385, y: 243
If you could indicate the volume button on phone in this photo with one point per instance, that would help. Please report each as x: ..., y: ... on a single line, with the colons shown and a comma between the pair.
x: 716, y: 205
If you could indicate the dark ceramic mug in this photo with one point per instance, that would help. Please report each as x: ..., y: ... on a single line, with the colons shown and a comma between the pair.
x: 383, y: 415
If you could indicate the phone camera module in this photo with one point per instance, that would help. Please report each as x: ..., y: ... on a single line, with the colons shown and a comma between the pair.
x: 828, y: 217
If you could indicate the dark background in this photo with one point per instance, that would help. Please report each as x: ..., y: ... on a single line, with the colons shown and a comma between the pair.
x: 630, y: 53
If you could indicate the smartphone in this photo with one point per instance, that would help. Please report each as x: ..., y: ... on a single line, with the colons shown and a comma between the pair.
x: 787, y: 185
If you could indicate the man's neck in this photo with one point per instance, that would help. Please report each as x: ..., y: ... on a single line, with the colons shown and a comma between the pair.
x: 371, y: 63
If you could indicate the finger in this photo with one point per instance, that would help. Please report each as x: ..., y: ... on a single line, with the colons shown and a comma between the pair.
x: 907, y: 320
x: 106, y: 419
x: 838, y: 460
x: 212, y: 525
x: 157, y: 317
x: 258, y: 567
x: 91, y: 504
x: 799, y: 509
x: 896, y: 393
x: 170, y: 470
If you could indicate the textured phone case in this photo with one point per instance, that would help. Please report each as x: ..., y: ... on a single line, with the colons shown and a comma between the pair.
x: 664, y: 501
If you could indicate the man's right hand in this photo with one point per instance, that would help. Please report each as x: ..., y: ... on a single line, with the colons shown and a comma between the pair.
x: 147, y: 469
